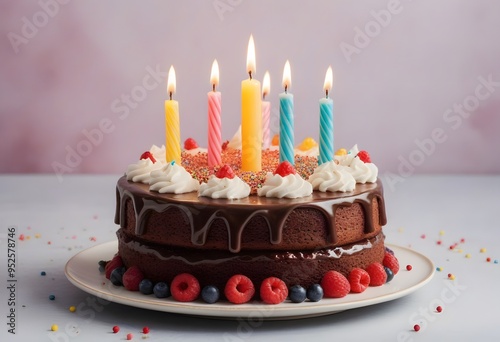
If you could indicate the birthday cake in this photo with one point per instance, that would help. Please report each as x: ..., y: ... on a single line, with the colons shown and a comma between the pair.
x: 291, y: 231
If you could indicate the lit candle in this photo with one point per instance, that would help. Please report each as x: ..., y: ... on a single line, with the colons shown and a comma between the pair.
x: 214, y: 121
x: 326, y: 121
x: 173, y: 130
x: 286, y: 119
x: 266, y: 111
x: 251, y: 117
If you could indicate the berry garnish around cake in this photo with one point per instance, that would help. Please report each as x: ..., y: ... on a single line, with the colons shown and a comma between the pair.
x: 132, y: 278
x: 225, y: 172
x: 335, y: 285
x: 391, y: 262
x: 273, y: 290
x: 185, y: 287
x: 359, y: 280
x: 297, y: 294
x: 161, y: 290
x: 364, y: 156
x: 314, y: 293
x: 190, y: 144
x: 377, y: 274
x: 284, y: 169
x: 111, y: 265
x: 148, y: 155
x: 210, y: 294
x: 239, y: 289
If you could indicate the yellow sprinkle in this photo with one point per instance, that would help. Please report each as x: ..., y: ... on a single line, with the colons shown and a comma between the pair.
x: 72, y: 308
x: 439, y: 269
x: 468, y: 255
x: 482, y: 250
x: 28, y: 237
x: 459, y: 250
x: 401, y: 230
x: 54, y: 327
x: 441, y: 232
x: 37, y: 236
x: 451, y: 277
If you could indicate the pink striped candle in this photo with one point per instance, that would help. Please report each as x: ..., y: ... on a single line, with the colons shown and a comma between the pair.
x: 266, y: 111
x: 214, y: 121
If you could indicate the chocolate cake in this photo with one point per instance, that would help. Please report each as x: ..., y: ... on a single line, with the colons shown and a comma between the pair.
x: 297, y: 240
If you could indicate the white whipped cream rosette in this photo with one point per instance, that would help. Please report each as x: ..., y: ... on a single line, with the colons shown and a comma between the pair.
x: 140, y: 171
x: 172, y: 178
x: 230, y: 188
x: 363, y: 172
x: 331, y: 177
x: 290, y: 186
x: 159, y: 153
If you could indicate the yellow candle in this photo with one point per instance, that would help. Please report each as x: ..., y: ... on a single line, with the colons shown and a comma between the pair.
x: 251, y: 117
x: 172, y: 125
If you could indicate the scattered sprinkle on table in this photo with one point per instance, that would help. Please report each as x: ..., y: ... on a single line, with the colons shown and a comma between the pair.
x: 54, y: 327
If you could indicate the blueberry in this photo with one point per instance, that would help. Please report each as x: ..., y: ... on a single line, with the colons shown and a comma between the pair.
x: 102, y: 265
x: 116, y: 276
x: 389, y: 273
x: 210, y: 294
x: 297, y: 294
x: 315, y: 293
x: 146, y: 286
x: 161, y: 290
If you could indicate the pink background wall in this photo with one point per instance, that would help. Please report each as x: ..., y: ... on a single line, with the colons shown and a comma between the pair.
x: 421, y: 71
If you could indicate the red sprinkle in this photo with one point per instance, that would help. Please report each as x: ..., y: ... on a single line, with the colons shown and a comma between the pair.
x: 439, y: 308
x: 439, y: 242
x: 116, y: 329
x: 130, y: 336
x: 145, y: 330
x: 488, y: 259
x: 422, y: 236
x: 416, y: 327
x: 21, y: 237
x: 462, y: 240
x: 147, y: 155
x: 409, y: 267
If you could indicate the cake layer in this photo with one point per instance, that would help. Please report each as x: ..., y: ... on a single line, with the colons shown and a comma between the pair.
x: 306, y: 267
x: 322, y: 220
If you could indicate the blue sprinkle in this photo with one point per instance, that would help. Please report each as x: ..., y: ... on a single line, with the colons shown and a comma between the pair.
x: 496, y: 261
x: 43, y: 273
x: 52, y: 297
x: 172, y: 162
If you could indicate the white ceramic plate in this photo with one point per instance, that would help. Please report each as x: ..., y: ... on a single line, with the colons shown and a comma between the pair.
x: 82, y: 271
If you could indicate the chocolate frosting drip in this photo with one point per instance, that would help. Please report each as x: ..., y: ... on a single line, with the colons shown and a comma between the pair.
x: 202, y: 211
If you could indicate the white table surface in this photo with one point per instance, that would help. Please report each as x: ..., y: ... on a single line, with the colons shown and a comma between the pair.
x: 59, y: 220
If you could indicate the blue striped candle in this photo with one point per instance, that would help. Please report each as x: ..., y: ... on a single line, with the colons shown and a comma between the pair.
x: 326, y: 122
x: 286, y: 120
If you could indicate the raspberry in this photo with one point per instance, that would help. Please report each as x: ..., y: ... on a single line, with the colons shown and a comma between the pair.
x: 111, y: 265
x: 190, y: 144
x: 273, y: 290
x: 185, y: 287
x: 377, y: 274
x: 225, y: 172
x: 132, y: 278
x: 335, y: 285
x: 359, y: 280
x: 392, y: 262
x: 147, y: 155
x: 364, y: 156
x: 239, y: 289
x: 284, y: 169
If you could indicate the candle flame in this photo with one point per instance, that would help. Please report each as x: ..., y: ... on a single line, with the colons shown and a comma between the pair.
x: 251, y: 56
x: 287, y: 75
x: 328, y: 80
x: 214, y: 76
x: 266, y: 84
x: 171, y: 80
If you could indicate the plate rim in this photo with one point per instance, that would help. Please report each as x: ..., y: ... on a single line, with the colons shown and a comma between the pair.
x: 224, y: 310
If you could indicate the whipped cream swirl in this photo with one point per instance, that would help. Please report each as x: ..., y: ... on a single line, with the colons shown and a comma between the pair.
x: 140, y: 172
x: 290, y: 186
x: 332, y: 177
x: 159, y: 153
x: 174, y: 179
x: 363, y: 172
x: 234, y: 188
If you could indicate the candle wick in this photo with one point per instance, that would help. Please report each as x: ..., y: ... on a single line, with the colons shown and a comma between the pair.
x: 213, y: 87
x: 286, y: 88
x: 170, y: 95
x: 326, y: 93
x: 250, y: 74
x: 264, y: 96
